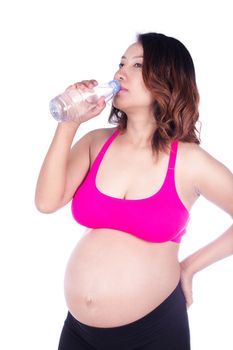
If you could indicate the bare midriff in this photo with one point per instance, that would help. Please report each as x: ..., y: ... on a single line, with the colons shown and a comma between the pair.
x: 114, y: 278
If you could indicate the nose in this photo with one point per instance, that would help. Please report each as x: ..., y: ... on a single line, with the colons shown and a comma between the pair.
x: 120, y: 75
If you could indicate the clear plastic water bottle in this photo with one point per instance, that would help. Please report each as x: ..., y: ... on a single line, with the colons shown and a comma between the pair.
x: 74, y: 103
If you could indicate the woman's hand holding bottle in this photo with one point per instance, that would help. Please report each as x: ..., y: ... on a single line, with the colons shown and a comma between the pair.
x: 97, y: 108
x: 83, y: 100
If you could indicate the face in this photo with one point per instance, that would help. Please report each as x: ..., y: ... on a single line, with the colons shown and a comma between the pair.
x: 133, y: 94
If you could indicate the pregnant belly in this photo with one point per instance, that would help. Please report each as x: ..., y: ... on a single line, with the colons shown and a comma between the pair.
x: 113, y: 278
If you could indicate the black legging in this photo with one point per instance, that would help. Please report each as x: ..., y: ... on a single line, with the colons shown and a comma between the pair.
x: 164, y: 328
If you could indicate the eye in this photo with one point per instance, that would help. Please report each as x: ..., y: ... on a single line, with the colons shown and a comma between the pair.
x: 138, y: 65
x: 121, y: 65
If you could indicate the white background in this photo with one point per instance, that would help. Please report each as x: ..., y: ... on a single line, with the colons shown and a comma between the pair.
x: 45, y: 47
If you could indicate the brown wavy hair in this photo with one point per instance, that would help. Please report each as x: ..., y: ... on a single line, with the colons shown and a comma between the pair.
x: 168, y: 72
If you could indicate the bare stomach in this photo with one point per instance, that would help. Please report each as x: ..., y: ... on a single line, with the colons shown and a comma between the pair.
x: 113, y: 278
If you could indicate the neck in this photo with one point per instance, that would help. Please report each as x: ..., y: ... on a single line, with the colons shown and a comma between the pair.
x: 139, y: 132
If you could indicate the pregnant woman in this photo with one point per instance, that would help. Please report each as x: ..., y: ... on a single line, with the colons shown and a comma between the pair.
x: 132, y: 187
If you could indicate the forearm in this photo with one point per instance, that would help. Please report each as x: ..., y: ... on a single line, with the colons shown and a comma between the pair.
x: 211, y: 253
x: 52, y: 177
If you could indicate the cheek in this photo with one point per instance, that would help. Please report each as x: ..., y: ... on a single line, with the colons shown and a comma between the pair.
x: 148, y: 95
x: 145, y: 95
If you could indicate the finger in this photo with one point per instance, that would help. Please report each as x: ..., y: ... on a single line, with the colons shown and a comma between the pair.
x: 83, y: 85
x: 189, y: 300
x: 189, y: 304
x: 97, y: 109
x: 89, y: 83
x: 101, y: 103
x: 93, y: 82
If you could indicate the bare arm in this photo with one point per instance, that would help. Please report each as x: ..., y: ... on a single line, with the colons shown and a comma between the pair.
x: 51, y: 182
x: 214, y: 181
x: 64, y: 167
x: 211, y: 253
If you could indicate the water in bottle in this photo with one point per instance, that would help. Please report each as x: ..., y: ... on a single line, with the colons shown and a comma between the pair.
x: 74, y: 103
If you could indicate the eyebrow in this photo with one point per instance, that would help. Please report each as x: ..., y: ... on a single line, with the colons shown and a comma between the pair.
x: 124, y: 57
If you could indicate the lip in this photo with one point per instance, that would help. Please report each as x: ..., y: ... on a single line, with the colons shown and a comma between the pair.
x: 123, y: 89
x: 122, y: 92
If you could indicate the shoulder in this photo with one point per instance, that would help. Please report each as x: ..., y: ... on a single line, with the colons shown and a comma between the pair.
x: 197, y: 157
x: 102, y: 133
x: 211, y: 178
x: 199, y: 160
x: 97, y: 139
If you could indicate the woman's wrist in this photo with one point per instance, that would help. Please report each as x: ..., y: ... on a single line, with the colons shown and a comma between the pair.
x: 67, y: 129
x: 69, y: 125
x: 186, y: 268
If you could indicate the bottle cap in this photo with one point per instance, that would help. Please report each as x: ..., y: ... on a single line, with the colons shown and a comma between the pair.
x: 115, y: 86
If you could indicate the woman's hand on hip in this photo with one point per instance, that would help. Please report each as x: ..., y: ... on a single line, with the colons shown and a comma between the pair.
x: 186, y: 284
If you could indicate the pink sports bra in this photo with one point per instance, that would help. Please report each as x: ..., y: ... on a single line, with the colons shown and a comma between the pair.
x: 159, y: 218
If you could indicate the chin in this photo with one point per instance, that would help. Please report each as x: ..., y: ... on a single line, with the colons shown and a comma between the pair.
x: 123, y: 107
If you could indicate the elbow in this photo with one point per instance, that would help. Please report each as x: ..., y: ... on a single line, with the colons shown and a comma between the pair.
x: 45, y: 208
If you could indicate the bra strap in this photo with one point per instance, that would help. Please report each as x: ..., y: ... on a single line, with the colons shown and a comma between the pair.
x: 103, y: 149
x: 173, y: 153
x: 109, y: 141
